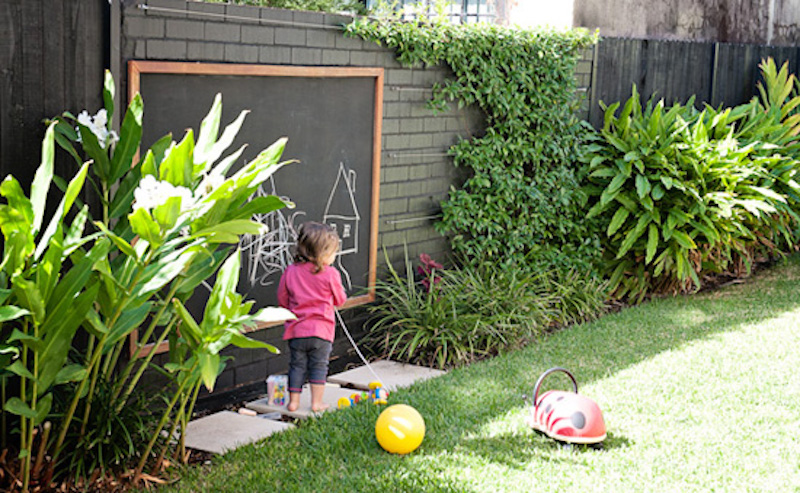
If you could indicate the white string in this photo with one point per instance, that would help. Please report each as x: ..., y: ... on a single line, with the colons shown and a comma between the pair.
x: 347, y: 333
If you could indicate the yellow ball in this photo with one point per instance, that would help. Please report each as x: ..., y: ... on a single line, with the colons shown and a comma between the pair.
x: 400, y: 429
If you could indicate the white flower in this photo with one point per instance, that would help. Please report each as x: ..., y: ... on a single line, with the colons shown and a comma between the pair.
x: 152, y: 193
x: 210, y: 183
x: 98, y: 124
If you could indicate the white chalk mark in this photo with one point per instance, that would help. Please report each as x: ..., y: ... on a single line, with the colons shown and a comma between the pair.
x: 341, y: 212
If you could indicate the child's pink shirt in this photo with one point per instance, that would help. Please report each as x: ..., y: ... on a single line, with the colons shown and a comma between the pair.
x: 311, y: 297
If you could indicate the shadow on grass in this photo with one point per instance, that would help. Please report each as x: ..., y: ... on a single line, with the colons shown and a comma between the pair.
x: 518, y: 450
x: 484, y: 392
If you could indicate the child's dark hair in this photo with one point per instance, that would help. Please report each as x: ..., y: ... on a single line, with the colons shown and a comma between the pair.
x: 315, y: 242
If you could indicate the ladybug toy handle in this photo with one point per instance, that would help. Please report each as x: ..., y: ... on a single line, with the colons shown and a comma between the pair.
x: 548, y: 372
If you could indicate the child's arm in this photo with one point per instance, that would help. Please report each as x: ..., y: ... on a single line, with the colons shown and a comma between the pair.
x: 283, y: 293
x: 339, y: 295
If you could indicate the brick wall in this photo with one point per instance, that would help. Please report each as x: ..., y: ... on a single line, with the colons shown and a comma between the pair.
x: 416, y: 172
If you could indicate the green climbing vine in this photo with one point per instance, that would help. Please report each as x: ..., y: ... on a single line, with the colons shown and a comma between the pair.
x: 522, y: 202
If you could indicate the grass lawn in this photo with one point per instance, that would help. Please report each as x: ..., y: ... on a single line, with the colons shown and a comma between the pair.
x: 699, y: 393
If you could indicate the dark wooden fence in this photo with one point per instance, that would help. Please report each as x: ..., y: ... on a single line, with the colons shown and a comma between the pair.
x: 52, y: 56
x: 716, y: 73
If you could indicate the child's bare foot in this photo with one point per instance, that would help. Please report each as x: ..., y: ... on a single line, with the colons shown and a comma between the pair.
x: 320, y: 407
x: 294, y: 401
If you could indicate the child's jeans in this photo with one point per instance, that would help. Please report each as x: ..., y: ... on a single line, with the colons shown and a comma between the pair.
x: 308, y: 357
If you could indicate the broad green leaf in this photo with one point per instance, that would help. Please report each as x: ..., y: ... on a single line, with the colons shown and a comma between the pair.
x: 241, y: 341
x: 166, y: 214
x: 28, y: 340
x: 201, y: 269
x: 42, y: 179
x: 227, y: 279
x: 128, y: 321
x: 60, y: 334
x: 259, y: 205
x: 92, y: 148
x: 74, y: 282
x: 70, y: 373
x: 130, y: 137
x: 19, y: 369
x: 222, y: 168
x: 617, y: 221
x: 223, y: 233
x: 209, y: 130
x: 610, y: 192
x: 683, y: 239
x: 29, y: 296
x: 189, y: 328
x: 652, y: 243
x: 642, y: 186
x: 225, y: 141
x: 143, y: 225
x: 122, y: 200
x: 16, y: 406
x: 11, y: 312
x: 74, y: 236
x: 95, y: 325
x: 43, y: 406
x: 18, y: 203
x: 633, y: 234
x: 177, y: 165
x: 163, y: 271
x: 209, y: 369
x: 120, y: 243
x: 74, y: 187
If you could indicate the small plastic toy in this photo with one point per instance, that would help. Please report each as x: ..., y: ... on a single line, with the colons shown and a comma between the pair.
x: 378, y: 393
x: 566, y: 416
x: 400, y: 429
x: 354, y: 399
x: 277, y: 389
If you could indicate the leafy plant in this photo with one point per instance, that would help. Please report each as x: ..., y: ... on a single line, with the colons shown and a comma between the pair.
x: 165, y: 223
x: 683, y: 193
x: 522, y: 203
x: 473, y: 311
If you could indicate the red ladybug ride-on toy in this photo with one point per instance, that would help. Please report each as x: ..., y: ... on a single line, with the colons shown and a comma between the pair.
x: 566, y: 416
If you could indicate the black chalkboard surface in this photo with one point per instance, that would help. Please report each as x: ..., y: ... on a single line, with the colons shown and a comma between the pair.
x: 331, y: 116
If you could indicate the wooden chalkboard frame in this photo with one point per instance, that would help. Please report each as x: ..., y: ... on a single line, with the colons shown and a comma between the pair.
x: 136, y: 68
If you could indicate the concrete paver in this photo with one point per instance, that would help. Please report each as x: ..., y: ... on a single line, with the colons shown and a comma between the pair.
x: 332, y: 394
x: 393, y: 375
x: 226, y: 430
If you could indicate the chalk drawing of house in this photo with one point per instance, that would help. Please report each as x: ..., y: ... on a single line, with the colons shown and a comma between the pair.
x: 341, y: 212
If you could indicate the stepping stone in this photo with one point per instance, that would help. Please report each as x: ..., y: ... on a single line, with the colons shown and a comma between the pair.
x: 226, y: 430
x: 393, y: 375
x: 331, y: 397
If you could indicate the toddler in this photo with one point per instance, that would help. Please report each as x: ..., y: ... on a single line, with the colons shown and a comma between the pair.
x: 310, y: 288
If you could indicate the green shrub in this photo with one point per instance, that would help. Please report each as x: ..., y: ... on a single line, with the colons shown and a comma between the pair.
x: 522, y: 203
x: 454, y: 316
x: 682, y: 194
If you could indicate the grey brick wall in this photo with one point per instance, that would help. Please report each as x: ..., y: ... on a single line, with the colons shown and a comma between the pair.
x: 416, y: 172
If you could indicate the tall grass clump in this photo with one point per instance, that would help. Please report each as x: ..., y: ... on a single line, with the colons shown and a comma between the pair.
x: 683, y: 194
x: 450, y: 317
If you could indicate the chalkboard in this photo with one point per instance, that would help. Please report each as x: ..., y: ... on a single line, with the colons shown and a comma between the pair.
x: 332, y: 118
